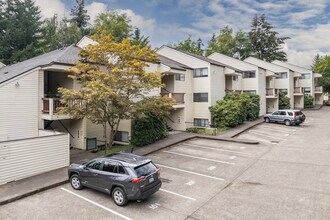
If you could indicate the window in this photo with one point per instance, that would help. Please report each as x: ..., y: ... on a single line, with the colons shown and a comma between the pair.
x: 283, y: 113
x: 95, y: 165
x: 276, y: 113
x: 201, y: 97
x: 145, y: 169
x: 305, y: 76
x: 249, y: 74
x: 201, y: 122
x: 180, y: 77
x: 121, y: 136
x: 113, y: 167
x: 307, y: 89
x: 250, y: 91
x: 282, y: 75
x: 235, y: 78
x: 284, y: 91
x: 290, y: 113
x: 201, y: 72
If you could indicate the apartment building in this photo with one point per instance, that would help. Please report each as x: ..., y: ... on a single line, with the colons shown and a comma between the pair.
x: 283, y: 82
x: 255, y: 80
x: 308, y: 83
x: 209, y: 83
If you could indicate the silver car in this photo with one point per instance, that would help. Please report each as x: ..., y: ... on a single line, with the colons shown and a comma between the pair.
x: 288, y: 117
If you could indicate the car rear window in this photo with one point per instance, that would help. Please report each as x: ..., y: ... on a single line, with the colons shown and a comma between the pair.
x: 145, y: 169
x: 290, y: 113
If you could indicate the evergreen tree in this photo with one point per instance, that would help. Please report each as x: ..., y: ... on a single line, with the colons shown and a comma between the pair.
x: 266, y: 45
x: 137, y: 39
x: 79, y: 15
x: 20, y: 30
x: 316, y: 61
x: 191, y: 46
x: 57, y: 34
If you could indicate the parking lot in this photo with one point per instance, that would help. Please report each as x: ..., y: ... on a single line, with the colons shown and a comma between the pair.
x: 286, y: 176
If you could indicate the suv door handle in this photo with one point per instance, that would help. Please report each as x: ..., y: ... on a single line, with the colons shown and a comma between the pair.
x: 95, y: 174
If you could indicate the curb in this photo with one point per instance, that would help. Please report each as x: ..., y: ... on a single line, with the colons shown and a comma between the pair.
x: 33, y: 192
x: 235, y: 135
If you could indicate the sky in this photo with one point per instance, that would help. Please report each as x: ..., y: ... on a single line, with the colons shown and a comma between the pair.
x: 306, y: 22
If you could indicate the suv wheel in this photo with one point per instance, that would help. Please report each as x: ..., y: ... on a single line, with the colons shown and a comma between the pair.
x: 119, y: 196
x: 75, y: 182
x: 287, y: 122
x: 267, y: 120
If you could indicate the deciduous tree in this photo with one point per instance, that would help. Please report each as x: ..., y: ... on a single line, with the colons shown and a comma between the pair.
x: 114, y: 82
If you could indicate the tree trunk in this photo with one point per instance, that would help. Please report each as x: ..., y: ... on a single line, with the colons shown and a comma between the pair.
x: 105, y: 138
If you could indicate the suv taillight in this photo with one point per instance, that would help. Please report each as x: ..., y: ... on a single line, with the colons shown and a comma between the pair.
x: 294, y: 115
x: 136, y: 180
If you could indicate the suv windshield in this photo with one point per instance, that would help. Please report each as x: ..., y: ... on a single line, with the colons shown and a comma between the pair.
x: 145, y: 169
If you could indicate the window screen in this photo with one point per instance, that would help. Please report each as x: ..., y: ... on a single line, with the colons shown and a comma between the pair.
x: 201, y: 97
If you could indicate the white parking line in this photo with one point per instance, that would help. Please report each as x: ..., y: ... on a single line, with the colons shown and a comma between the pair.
x: 217, y: 149
x: 191, y: 172
x: 177, y: 194
x: 201, y: 158
x: 101, y: 206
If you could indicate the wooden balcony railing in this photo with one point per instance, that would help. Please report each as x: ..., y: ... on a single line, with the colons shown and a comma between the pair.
x: 50, y: 105
x: 297, y: 90
x: 318, y: 89
x: 178, y: 97
x: 271, y: 92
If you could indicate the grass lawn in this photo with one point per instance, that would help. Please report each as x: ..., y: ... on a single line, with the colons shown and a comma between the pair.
x: 114, y: 149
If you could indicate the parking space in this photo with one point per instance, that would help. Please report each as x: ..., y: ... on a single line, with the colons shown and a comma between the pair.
x: 192, y: 172
x: 270, y: 133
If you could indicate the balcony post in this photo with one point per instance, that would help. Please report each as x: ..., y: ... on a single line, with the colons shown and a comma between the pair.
x: 51, y: 106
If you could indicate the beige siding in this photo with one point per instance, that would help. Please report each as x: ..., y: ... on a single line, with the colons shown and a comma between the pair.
x: 33, y: 156
x: 19, y: 105
x: 216, y: 85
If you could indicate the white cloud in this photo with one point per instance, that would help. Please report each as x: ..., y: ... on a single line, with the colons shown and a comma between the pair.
x: 147, y: 26
x: 94, y: 9
x: 50, y: 7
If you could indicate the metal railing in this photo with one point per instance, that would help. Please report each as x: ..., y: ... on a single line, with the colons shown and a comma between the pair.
x: 271, y: 92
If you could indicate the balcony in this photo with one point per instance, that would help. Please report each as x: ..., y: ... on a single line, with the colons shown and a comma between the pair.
x: 49, y: 110
x: 231, y: 91
x: 178, y: 97
x: 271, y: 93
x: 318, y: 89
x: 297, y: 91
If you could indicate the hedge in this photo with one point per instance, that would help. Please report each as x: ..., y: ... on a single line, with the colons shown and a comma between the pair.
x: 283, y: 101
x: 308, y: 101
x: 148, y: 130
x: 234, y: 109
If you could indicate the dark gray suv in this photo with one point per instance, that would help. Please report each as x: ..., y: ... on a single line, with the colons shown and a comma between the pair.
x: 288, y: 117
x: 124, y: 176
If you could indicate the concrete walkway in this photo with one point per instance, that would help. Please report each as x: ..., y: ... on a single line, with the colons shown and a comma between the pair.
x: 19, y: 189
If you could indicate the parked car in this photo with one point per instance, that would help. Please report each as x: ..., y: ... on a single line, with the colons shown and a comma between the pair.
x: 327, y: 102
x: 124, y: 176
x: 288, y: 117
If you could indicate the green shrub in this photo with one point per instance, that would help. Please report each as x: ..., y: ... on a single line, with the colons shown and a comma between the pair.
x: 148, y: 130
x: 234, y: 109
x: 283, y: 101
x: 308, y: 101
